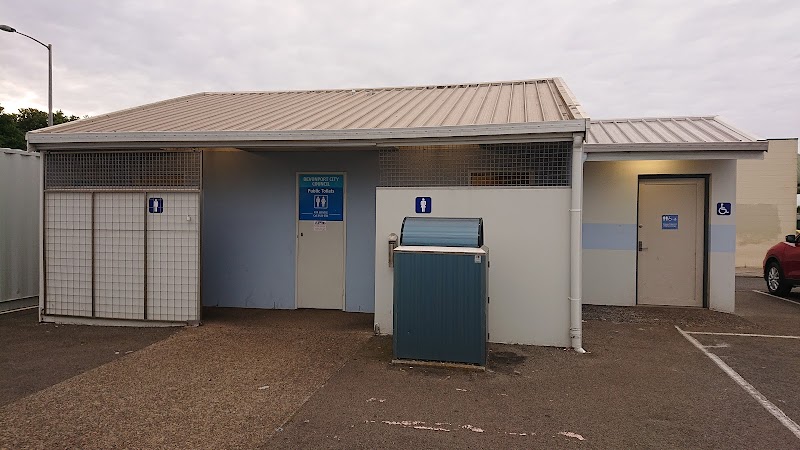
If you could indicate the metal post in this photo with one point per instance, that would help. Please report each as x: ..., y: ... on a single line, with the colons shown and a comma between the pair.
x: 49, y: 85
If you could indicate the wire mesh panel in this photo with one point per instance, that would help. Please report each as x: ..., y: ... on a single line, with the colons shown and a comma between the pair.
x: 122, y: 170
x: 119, y: 255
x: 544, y: 164
x: 173, y: 255
x: 68, y: 246
x: 108, y: 254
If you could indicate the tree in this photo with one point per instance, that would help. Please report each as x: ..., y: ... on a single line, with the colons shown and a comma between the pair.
x: 10, y: 135
x: 14, y: 126
x: 29, y: 119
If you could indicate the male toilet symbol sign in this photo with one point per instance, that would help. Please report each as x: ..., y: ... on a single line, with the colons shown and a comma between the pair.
x: 724, y: 209
x: 155, y: 205
x: 423, y: 205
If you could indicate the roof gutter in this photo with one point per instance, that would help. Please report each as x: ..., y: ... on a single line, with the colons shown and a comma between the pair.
x: 673, y: 155
x: 760, y: 145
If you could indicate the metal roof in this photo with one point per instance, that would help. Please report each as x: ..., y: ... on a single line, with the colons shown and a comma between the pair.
x: 497, y: 103
x: 665, y: 131
x: 670, y: 138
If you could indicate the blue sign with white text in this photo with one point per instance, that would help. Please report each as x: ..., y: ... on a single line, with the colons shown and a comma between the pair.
x: 423, y: 205
x: 669, y: 222
x: 321, y: 197
x: 724, y: 209
x: 155, y: 205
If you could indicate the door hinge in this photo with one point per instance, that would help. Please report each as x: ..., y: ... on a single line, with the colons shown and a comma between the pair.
x: 488, y: 299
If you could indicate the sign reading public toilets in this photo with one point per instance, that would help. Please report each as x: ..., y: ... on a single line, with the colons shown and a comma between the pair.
x: 669, y: 222
x: 155, y: 205
x: 423, y: 205
x: 321, y: 197
x: 724, y: 209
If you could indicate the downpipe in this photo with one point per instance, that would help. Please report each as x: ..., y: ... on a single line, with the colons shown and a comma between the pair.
x: 576, y: 244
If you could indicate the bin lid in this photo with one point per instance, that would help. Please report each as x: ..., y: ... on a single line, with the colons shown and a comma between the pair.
x: 442, y: 232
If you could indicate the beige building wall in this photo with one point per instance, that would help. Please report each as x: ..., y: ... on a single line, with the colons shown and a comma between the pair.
x: 765, y: 201
x: 610, y: 228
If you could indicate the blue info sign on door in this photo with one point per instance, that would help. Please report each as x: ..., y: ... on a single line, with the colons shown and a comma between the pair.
x: 669, y: 222
x: 320, y: 197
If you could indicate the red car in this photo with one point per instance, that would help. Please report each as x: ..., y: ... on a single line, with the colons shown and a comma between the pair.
x: 782, y: 266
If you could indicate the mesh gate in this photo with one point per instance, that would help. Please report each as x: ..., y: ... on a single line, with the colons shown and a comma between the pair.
x: 544, y: 164
x: 108, y: 253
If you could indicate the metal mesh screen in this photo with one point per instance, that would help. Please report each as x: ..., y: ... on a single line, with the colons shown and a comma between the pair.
x: 68, y: 246
x: 122, y: 170
x: 522, y: 164
x: 173, y: 252
x: 119, y: 235
x: 110, y: 255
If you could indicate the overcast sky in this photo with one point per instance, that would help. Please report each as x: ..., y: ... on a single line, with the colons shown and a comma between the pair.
x: 627, y: 58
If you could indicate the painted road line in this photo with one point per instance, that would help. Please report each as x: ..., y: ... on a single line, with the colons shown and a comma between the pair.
x: 743, y: 334
x: 19, y: 309
x: 775, y: 296
x: 768, y: 405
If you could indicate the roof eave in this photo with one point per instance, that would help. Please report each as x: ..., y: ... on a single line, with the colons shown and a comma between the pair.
x: 309, y: 137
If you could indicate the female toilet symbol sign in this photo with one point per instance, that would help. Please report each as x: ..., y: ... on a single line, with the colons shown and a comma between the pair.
x: 724, y: 209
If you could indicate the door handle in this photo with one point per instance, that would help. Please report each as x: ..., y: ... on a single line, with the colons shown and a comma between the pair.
x: 640, y: 246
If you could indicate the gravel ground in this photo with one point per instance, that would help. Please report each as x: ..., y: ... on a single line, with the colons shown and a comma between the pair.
x: 642, y: 386
x: 34, y: 356
x: 227, y: 384
x: 236, y: 380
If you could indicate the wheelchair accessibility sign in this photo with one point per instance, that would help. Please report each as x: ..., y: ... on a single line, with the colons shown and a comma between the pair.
x: 724, y: 209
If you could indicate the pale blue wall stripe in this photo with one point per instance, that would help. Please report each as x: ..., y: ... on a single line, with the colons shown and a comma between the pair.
x: 609, y: 236
x: 722, y: 238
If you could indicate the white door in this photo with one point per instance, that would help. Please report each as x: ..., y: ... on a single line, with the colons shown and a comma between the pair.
x: 320, y: 240
x: 671, y: 238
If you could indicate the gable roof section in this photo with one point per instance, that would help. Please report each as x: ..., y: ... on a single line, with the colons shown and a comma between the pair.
x: 498, y: 108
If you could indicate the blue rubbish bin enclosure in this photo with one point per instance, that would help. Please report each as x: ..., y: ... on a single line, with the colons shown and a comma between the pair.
x: 440, y: 291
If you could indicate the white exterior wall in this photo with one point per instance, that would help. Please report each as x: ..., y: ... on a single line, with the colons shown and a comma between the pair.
x: 610, y: 228
x: 527, y: 235
x: 766, y: 201
x: 19, y: 225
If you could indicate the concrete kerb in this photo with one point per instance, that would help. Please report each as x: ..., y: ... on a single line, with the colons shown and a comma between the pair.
x: 750, y: 272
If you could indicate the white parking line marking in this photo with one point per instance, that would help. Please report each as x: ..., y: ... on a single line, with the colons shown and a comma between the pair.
x: 775, y: 296
x: 768, y: 405
x: 743, y: 334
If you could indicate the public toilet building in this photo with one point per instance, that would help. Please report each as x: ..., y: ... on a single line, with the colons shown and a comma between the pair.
x: 288, y: 199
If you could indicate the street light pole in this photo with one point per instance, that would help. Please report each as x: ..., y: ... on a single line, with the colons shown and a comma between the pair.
x: 49, y: 48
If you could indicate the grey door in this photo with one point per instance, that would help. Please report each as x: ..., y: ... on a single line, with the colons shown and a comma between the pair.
x: 320, y: 240
x: 671, y: 242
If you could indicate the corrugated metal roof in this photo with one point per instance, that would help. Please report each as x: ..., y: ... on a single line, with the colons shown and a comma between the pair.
x: 512, y: 102
x: 665, y: 130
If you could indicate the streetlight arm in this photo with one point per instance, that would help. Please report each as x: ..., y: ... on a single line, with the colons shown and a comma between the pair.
x: 49, y: 48
x: 33, y: 38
